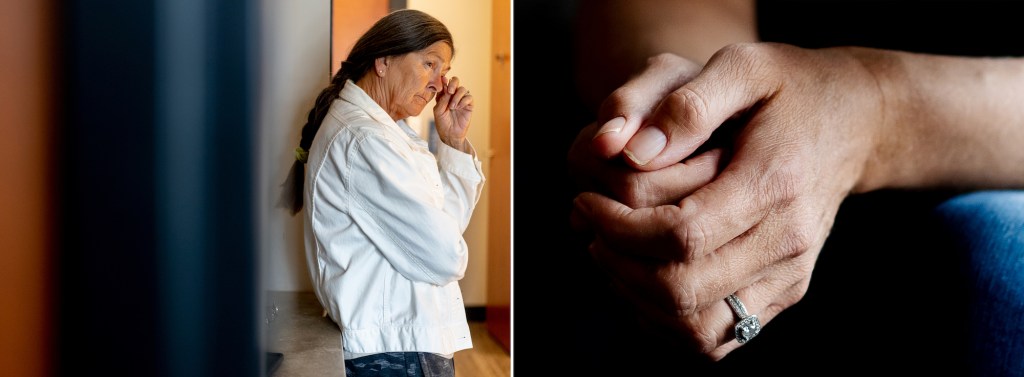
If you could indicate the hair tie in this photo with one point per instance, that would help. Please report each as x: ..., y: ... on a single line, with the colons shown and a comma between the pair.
x: 301, y: 154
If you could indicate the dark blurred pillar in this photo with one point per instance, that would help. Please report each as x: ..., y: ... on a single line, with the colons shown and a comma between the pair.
x: 157, y: 255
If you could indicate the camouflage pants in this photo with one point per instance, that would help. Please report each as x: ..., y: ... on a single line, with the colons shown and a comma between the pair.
x: 404, y: 364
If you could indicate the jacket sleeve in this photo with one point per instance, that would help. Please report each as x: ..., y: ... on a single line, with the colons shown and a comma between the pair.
x: 463, y: 181
x: 416, y: 224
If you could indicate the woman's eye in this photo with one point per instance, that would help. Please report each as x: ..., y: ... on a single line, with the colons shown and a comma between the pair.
x: 430, y: 64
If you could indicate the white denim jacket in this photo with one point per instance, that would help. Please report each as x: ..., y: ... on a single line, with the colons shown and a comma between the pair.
x: 383, y: 228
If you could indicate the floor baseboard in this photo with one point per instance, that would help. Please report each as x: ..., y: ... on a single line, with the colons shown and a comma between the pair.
x: 476, y: 313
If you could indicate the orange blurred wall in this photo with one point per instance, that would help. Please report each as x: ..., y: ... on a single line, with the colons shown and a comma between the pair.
x: 26, y: 159
x: 349, y: 20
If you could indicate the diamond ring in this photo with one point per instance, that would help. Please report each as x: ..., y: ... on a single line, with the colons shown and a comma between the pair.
x: 748, y: 326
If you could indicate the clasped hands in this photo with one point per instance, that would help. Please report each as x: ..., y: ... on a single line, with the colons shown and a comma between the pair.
x: 679, y: 223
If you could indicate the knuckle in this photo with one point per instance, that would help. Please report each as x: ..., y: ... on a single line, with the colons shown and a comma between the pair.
x: 796, y: 242
x: 663, y: 59
x: 705, y: 339
x: 783, y: 186
x: 627, y: 188
x: 800, y: 292
x: 776, y: 186
x: 691, y: 239
x: 799, y: 238
x: 685, y: 296
x: 688, y: 110
x: 685, y: 299
x: 791, y: 296
x: 746, y: 53
x: 634, y: 190
x: 698, y: 238
x: 742, y: 50
x: 619, y: 100
x: 668, y: 218
x: 754, y: 59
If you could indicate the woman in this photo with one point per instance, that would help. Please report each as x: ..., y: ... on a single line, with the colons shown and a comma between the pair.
x: 385, y: 216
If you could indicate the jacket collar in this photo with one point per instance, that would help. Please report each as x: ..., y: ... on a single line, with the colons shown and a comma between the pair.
x: 355, y: 95
x: 358, y: 97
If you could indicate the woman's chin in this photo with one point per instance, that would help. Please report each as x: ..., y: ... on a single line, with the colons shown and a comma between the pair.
x: 419, y: 110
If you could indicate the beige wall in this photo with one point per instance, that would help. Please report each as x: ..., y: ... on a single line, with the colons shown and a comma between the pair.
x: 469, y: 21
x: 295, y: 58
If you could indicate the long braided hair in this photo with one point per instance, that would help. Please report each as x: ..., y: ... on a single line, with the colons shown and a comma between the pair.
x: 398, y: 33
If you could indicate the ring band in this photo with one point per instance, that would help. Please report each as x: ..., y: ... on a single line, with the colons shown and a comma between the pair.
x: 749, y: 326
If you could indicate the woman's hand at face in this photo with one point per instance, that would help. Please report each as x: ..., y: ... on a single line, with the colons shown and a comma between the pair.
x: 453, y: 108
x: 810, y: 120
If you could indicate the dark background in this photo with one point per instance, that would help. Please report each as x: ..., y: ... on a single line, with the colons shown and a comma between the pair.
x: 907, y: 314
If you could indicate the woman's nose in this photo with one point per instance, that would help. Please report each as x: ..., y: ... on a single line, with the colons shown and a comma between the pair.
x: 435, y: 84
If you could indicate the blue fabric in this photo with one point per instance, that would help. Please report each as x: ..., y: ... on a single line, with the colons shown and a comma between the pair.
x: 989, y: 228
x: 400, y: 364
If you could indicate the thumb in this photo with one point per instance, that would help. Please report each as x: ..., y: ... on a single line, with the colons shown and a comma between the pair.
x: 631, y: 105
x: 687, y: 117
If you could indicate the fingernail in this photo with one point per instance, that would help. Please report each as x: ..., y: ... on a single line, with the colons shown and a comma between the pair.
x: 645, y: 145
x: 612, y: 126
x: 581, y: 206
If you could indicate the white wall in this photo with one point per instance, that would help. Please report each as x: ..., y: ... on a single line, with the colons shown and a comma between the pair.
x: 295, y: 57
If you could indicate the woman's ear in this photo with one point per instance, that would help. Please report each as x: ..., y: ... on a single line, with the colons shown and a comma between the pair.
x: 380, y: 65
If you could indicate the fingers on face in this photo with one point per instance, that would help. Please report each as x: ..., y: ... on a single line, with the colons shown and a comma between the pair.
x: 454, y: 97
x: 453, y: 84
x: 461, y: 99
x: 442, y: 98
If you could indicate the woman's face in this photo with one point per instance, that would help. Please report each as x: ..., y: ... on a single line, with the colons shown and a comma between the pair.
x: 414, y: 78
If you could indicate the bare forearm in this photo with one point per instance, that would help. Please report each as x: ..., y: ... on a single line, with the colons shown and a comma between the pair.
x: 951, y: 122
x: 458, y: 144
x: 616, y: 37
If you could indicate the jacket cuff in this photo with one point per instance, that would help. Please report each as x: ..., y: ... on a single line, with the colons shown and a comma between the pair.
x: 462, y: 164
